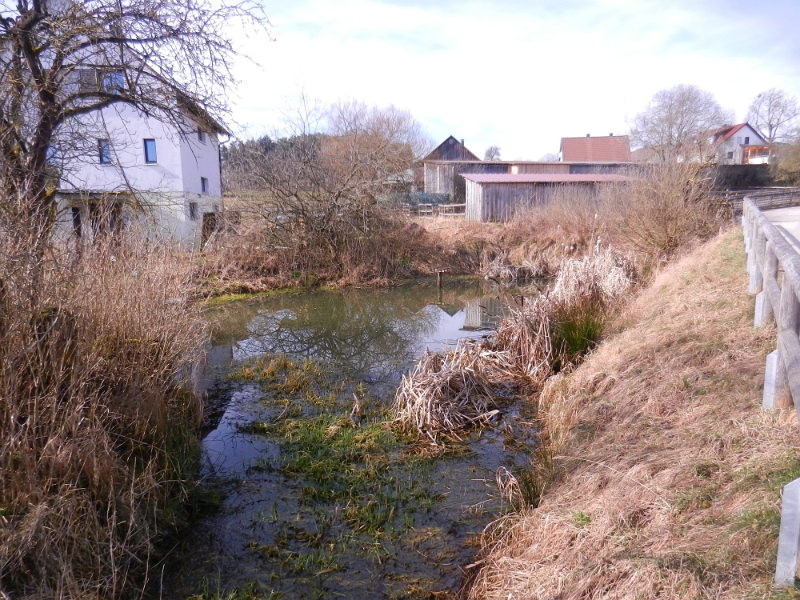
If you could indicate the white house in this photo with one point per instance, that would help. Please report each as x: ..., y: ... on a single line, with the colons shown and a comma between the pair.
x: 739, y: 145
x: 147, y: 172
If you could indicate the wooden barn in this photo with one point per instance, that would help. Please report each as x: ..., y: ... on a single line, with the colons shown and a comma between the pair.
x: 496, y: 197
x: 451, y: 149
x: 447, y: 177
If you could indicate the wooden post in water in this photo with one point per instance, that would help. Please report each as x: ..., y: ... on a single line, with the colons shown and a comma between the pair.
x: 439, y: 273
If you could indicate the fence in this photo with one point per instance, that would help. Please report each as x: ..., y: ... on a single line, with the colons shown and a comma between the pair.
x: 437, y: 210
x: 774, y: 268
x: 764, y: 198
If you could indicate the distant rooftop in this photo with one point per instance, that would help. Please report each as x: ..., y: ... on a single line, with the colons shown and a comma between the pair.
x: 612, y: 148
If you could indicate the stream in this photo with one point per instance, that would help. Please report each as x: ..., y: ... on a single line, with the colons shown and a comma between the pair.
x: 393, y: 520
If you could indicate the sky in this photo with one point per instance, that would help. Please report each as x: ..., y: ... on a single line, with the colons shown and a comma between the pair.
x: 511, y: 73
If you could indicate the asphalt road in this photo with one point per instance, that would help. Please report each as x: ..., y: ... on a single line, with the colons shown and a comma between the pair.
x: 787, y: 221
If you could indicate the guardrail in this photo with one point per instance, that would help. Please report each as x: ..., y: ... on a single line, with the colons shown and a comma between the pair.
x: 764, y: 198
x: 774, y: 268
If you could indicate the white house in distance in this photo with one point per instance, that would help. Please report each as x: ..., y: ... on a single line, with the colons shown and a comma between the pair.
x: 739, y: 145
x: 144, y: 171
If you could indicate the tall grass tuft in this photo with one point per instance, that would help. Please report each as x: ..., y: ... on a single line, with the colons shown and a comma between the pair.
x: 97, y: 413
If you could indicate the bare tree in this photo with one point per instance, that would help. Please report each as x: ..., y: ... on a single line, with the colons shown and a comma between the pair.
x: 774, y: 114
x: 549, y: 157
x: 321, y: 187
x: 63, y: 61
x: 492, y: 153
x: 677, y: 122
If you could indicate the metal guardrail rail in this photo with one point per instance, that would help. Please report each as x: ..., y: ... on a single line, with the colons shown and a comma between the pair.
x: 774, y: 268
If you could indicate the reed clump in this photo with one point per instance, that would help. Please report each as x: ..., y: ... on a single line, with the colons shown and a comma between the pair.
x: 97, y: 414
x: 452, y: 391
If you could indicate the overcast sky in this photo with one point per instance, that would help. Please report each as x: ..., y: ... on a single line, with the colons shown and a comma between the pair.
x: 516, y: 74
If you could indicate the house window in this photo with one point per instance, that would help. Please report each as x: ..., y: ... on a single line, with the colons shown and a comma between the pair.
x: 104, y: 151
x: 201, y: 136
x: 203, y: 185
x: 747, y: 140
x: 193, y: 211
x: 730, y: 155
x: 150, y: 152
x: 113, y: 82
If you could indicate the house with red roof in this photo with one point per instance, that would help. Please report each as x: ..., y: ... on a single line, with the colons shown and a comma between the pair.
x: 611, y: 148
x: 739, y: 145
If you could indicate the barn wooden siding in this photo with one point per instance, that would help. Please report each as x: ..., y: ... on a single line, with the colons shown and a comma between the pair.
x: 544, y: 167
x: 488, y: 202
x: 443, y: 177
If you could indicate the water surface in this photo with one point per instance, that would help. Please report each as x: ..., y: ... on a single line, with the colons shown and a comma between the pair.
x: 264, y: 535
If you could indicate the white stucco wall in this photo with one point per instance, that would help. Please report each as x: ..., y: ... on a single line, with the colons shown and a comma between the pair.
x: 198, y: 160
x: 126, y: 129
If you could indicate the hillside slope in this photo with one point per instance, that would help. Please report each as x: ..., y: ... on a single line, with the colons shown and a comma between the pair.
x: 667, y: 471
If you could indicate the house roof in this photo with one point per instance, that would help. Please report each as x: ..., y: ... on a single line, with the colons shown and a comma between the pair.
x: 451, y: 150
x: 544, y: 178
x: 723, y: 134
x: 612, y: 148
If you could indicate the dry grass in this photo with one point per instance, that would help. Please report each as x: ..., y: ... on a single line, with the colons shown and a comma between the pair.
x: 667, y: 472
x: 97, y: 415
x: 449, y: 392
x: 262, y: 253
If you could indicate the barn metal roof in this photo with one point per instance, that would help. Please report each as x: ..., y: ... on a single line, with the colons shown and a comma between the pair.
x: 612, y: 148
x: 544, y: 178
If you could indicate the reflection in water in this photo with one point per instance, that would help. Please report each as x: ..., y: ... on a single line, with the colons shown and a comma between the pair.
x: 368, y: 336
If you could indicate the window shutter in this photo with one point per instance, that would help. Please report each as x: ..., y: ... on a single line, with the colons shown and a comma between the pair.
x: 88, y: 80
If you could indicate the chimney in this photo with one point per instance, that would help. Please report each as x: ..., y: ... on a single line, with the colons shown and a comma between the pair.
x: 587, y: 135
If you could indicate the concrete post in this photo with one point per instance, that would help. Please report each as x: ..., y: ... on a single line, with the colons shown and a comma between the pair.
x: 771, y: 274
x: 788, y: 320
x: 761, y: 301
x: 770, y: 375
x: 789, y: 536
x: 756, y: 278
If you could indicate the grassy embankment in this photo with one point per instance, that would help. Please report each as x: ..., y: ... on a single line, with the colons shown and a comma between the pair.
x: 666, y: 473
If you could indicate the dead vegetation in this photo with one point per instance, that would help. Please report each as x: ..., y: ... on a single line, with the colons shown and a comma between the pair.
x: 97, y: 414
x: 666, y: 474
x: 260, y: 254
x: 268, y: 244
x: 452, y: 391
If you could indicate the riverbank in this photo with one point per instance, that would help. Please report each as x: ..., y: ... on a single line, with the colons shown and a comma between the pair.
x: 666, y: 472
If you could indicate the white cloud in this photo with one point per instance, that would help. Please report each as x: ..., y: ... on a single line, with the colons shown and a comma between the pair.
x: 517, y: 74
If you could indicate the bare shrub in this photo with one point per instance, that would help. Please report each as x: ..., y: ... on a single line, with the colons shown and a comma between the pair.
x: 97, y: 414
x: 665, y: 208
x: 261, y: 253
